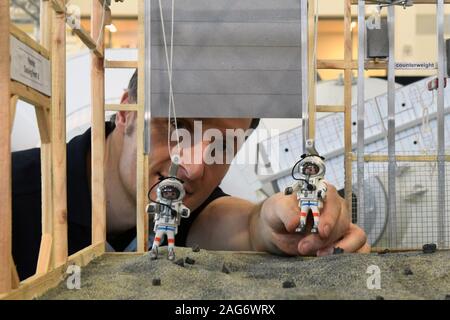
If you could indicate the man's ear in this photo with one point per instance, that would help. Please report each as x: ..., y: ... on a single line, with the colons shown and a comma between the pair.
x: 124, y: 118
x: 125, y: 98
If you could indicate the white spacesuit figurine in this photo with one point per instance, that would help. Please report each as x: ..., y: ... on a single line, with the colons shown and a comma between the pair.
x: 311, y: 187
x: 168, y: 209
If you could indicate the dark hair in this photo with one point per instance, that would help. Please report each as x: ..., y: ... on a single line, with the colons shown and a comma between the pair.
x: 132, y: 97
x: 132, y: 88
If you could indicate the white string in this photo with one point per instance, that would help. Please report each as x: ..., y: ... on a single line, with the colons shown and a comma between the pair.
x: 170, y: 74
x: 102, y: 26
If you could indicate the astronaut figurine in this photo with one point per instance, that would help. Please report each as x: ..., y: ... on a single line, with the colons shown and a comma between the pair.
x: 168, y: 209
x: 311, y: 187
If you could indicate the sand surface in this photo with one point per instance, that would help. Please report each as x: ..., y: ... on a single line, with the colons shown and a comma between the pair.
x: 261, y: 276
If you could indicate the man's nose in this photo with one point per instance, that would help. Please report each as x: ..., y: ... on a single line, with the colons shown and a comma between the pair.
x: 192, y: 164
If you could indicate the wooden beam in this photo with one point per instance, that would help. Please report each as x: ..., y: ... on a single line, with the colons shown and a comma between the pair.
x: 83, y: 257
x: 46, y: 21
x: 58, y: 5
x: 331, y: 64
x: 14, y: 100
x: 109, y: 64
x: 39, y: 284
x: 43, y: 115
x: 142, y: 223
x: 58, y: 134
x: 27, y: 40
x: 45, y: 254
x: 5, y: 151
x: 30, y: 95
x: 44, y: 123
x: 348, y: 75
x: 89, y: 41
x: 123, y: 107
x: 401, y: 158
x: 342, y: 64
x: 373, y: 65
x: 15, y: 283
x: 330, y: 108
x: 98, y: 130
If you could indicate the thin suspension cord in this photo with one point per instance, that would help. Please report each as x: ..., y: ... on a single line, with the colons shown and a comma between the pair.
x: 169, y: 69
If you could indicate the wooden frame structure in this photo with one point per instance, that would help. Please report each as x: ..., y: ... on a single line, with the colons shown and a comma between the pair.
x: 51, y: 117
x: 50, y: 112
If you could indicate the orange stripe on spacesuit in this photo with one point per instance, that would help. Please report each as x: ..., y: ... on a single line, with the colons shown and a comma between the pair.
x: 316, y: 214
x: 303, y: 214
x: 157, y: 239
x: 171, y: 240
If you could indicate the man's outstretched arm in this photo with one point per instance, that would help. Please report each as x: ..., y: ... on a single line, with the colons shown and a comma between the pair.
x: 235, y: 224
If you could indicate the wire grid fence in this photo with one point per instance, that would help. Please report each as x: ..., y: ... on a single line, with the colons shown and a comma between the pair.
x: 415, y: 221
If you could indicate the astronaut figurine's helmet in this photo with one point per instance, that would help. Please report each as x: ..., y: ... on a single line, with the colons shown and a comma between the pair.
x: 171, y: 190
x: 170, y: 193
x: 312, y: 166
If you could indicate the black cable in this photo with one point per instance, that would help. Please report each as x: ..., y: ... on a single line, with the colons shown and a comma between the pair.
x: 300, y: 179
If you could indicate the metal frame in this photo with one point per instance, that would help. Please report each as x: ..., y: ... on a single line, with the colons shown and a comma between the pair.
x: 392, y: 158
x: 440, y: 120
x: 361, y: 108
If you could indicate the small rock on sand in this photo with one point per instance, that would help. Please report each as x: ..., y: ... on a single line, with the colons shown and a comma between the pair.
x: 429, y: 248
x: 225, y: 269
x: 180, y: 262
x: 156, y: 282
x: 289, y: 284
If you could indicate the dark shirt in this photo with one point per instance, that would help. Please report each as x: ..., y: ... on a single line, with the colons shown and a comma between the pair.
x: 26, y: 205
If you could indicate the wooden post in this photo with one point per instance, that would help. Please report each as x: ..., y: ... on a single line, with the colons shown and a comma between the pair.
x: 45, y: 254
x: 348, y: 102
x: 98, y: 128
x: 142, y: 160
x: 15, y: 280
x: 58, y: 135
x: 5, y: 152
x: 14, y: 100
x: 46, y: 147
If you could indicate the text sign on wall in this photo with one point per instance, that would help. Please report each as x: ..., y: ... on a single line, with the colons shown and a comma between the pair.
x: 29, y: 67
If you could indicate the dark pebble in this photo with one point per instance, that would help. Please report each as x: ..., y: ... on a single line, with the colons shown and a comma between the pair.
x: 156, y: 281
x: 429, y: 248
x: 196, y: 248
x: 289, y: 284
x: 447, y: 297
x: 338, y: 250
x: 384, y: 251
x: 379, y: 298
x: 180, y: 262
x: 189, y: 260
x: 408, y: 272
x: 225, y: 269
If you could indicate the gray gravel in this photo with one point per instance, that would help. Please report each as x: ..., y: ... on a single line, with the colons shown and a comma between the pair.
x: 261, y: 276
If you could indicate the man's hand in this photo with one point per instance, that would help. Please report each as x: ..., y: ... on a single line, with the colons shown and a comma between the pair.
x: 272, y: 227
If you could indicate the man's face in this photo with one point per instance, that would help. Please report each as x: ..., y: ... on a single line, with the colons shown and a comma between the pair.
x: 199, y: 178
